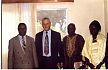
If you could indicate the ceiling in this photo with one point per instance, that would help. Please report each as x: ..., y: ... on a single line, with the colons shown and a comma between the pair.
x: 35, y: 1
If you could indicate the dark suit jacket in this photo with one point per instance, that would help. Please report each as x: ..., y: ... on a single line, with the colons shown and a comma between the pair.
x: 56, y: 48
x: 106, y: 54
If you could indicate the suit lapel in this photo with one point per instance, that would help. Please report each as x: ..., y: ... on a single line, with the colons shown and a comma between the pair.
x: 27, y: 41
x: 41, y: 43
x: 52, y: 42
x: 18, y: 45
x: 18, y: 41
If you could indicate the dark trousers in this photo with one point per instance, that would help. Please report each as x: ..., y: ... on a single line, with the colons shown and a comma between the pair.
x: 48, y: 63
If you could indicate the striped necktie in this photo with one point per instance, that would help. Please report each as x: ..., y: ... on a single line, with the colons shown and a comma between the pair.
x: 46, y: 44
x: 23, y: 42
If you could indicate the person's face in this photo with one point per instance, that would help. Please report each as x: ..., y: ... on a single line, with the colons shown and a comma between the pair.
x: 46, y: 24
x: 22, y: 30
x: 93, y: 30
x: 71, y: 30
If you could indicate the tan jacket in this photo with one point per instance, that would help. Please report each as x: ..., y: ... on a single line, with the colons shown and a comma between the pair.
x: 20, y: 58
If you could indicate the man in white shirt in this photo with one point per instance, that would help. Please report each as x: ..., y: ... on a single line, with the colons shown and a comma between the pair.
x: 48, y: 45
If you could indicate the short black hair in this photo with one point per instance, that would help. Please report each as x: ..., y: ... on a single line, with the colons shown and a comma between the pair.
x: 22, y: 24
x: 96, y: 24
x: 72, y: 25
x: 45, y: 18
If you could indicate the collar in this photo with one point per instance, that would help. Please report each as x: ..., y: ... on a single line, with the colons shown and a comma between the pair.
x: 21, y: 36
x: 49, y: 31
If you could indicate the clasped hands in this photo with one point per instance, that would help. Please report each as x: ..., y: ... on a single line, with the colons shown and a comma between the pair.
x: 60, y: 65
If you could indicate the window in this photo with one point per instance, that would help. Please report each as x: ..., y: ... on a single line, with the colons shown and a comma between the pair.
x: 57, y: 17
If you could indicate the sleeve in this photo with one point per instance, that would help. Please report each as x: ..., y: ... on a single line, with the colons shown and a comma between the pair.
x: 10, y: 55
x: 35, y: 55
x: 79, y: 46
x: 64, y: 46
x: 37, y: 48
x: 61, y: 51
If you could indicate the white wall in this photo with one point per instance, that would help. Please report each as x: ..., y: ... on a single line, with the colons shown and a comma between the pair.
x: 85, y: 11
x: 81, y: 12
x: 107, y: 15
x: 0, y: 35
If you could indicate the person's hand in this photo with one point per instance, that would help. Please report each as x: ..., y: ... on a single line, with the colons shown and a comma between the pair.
x: 86, y: 59
x: 99, y: 66
x: 60, y: 65
x: 77, y: 64
x: 89, y: 64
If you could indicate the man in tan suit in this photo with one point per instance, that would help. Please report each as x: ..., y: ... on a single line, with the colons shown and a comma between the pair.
x: 22, y: 50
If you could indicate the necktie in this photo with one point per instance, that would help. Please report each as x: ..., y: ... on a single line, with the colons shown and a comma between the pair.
x: 23, y: 42
x: 46, y: 44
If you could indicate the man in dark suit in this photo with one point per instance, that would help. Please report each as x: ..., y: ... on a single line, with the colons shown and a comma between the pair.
x: 48, y: 46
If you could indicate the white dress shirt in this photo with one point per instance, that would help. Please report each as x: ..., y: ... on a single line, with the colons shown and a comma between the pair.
x: 49, y: 39
x: 20, y: 39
